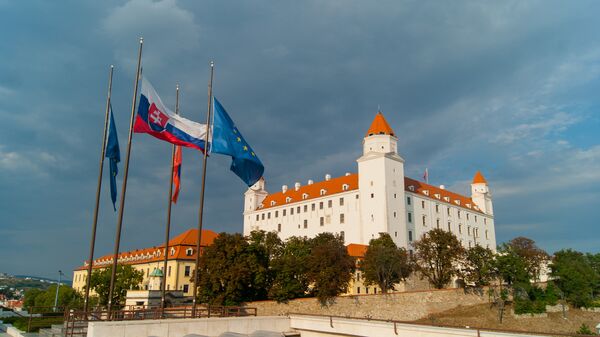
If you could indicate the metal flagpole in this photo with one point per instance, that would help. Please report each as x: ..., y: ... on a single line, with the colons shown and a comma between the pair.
x: 201, y: 211
x: 168, y: 227
x: 98, y: 190
x: 124, y: 188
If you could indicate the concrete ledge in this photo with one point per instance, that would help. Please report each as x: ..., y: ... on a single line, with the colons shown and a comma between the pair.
x: 183, y: 327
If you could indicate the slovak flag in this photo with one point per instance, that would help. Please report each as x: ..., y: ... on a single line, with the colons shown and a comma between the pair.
x: 154, y: 118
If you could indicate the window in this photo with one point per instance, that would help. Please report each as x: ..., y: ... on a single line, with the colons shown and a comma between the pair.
x: 437, y: 221
x: 343, y: 235
x: 284, y: 212
x: 409, y: 217
x: 410, y: 252
x: 292, y: 211
x: 486, y: 234
x: 394, y: 214
x: 262, y: 216
x: 469, y: 230
x: 366, y: 290
x: 169, y: 271
x: 168, y: 287
x: 322, y: 192
x: 408, y: 200
x: 449, y: 226
x: 312, y: 207
x: 467, y: 216
x: 356, y: 196
x: 437, y: 208
x: 484, y: 221
x: 186, y: 271
x: 409, y: 235
x: 476, y: 218
x: 396, y: 234
x: 305, y: 223
x: 305, y: 208
x: 279, y: 227
x: 269, y: 215
x: 257, y: 217
x: 358, y: 276
x: 342, y: 218
x: 394, y: 195
x: 372, y: 195
x: 330, y: 203
x: 189, y: 252
x: 304, y: 196
x: 458, y: 214
x: 186, y: 288
x: 341, y: 201
x: 276, y: 214
x: 460, y: 228
x: 358, y: 290
x: 344, y: 187
x: 448, y: 209
x: 424, y: 220
x: 321, y: 205
x: 423, y: 204
x: 469, y: 244
x: 298, y: 210
x: 322, y: 221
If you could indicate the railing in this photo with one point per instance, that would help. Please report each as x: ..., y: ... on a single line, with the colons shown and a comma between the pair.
x: 43, y: 317
x: 76, y: 321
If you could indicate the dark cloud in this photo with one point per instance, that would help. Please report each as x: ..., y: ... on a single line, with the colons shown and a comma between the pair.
x: 509, y: 88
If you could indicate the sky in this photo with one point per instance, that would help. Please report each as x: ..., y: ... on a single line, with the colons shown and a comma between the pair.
x: 511, y: 88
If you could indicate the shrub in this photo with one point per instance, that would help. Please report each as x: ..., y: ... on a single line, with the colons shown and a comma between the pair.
x: 585, y: 330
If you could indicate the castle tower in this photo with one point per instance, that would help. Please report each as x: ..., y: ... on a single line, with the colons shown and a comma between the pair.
x: 255, y: 195
x: 381, y: 184
x: 480, y: 193
x: 155, y: 279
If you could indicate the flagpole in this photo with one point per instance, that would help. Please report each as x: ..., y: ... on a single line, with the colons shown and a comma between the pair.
x: 201, y: 210
x: 170, y: 203
x: 98, y: 190
x: 124, y: 188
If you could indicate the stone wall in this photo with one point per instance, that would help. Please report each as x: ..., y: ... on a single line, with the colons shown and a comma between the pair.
x: 405, y: 306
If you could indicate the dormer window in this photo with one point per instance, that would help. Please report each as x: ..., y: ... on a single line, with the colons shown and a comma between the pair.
x: 322, y: 192
x: 468, y: 205
x: 189, y: 252
x: 304, y: 196
x: 288, y: 199
x: 426, y: 192
x: 273, y: 203
x: 345, y: 187
x: 172, y: 251
x: 457, y: 202
x: 411, y: 187
x: 437, y: 195
x: 447, y: 199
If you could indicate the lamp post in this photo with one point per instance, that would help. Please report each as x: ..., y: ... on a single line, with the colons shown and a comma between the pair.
x: 60, y: 273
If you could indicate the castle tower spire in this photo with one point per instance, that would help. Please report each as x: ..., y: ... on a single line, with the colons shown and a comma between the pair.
x: 480, y: 193
x: 380, y: 126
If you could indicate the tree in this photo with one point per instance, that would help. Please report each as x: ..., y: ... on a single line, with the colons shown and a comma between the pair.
x: 385, y: 264
x: 127, y: 278
x: 264, y: 247
x: 329, y: 267
x: 478, y: 266
x: 533, y: 256
x: 574, y: 276
x: 234, y: 269
x: 511, y: 267
x: 67, y: 297
x: 290, y: 270
x: 437, y: 255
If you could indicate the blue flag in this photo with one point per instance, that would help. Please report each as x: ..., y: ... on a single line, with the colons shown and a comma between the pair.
x: 113, y: 153
x: 227, y: 139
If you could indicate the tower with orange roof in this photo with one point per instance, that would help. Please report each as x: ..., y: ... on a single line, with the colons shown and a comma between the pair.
x: 481, y: 195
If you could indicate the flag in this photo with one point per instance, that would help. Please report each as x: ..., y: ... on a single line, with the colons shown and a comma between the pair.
x: 426, y: 175
x: 155, y: 119
x: 113, y: 153
x: 176, y: 173
x: 228, y: 140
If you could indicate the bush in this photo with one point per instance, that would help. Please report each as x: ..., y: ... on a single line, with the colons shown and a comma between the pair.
x: 585, y: 330
x: 527, y: 306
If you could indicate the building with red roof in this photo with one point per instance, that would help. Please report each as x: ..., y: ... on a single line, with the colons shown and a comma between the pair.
x: 378, y: 198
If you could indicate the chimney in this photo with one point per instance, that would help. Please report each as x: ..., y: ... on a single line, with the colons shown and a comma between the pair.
x: 297, y: 186
x: 310, y: 181
x: 347, y: 174
x: 442, y: 187
x: 327, y: 177
x: 284, y: 188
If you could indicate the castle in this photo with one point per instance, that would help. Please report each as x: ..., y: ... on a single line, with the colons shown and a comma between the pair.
x: 379, y: 198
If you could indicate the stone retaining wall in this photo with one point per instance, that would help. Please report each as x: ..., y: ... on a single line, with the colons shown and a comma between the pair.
x: 406, y: 306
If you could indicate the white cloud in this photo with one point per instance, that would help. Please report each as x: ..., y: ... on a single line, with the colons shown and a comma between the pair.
x: 540, y: 127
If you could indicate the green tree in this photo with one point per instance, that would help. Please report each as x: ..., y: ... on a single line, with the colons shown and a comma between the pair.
x: 127, y: 278
x: 329, y: 267
x: 290, y: 270
x: 67, y: 297
x: 437, y: 255
x: 478, y: 266
x: 235, y: 269
x: 30, y: 297
x: 574, y: 276
x: 384, y: 263
x: 510, y: 267
x: 533, y: 256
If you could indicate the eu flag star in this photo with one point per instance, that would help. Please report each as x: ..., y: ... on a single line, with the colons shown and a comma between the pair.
x: 245, y: 148
x: 239, y: 139
x: 252, y: 153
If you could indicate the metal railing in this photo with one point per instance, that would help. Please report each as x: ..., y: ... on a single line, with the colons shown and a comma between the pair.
x: 76, y: 321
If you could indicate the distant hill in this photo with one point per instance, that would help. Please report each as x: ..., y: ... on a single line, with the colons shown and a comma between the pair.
x: 44, y: 279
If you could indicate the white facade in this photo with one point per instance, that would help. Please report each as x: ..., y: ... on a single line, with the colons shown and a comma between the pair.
x: 377, y: 199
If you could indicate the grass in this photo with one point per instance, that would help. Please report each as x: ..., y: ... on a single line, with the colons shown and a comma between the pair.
x: 37, y: 323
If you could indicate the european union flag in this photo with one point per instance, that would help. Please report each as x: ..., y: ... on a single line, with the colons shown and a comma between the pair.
x: 228, y: 140
x: 113, y: 153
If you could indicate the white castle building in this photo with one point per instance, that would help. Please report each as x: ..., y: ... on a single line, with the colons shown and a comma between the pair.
x: 377, y: 199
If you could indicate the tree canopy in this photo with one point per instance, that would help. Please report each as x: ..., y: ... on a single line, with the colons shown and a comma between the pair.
x: 436, y: 256
x: 575, y: 277
x: 127, y: 278
x: 384, y: 263
x: 478, y: 266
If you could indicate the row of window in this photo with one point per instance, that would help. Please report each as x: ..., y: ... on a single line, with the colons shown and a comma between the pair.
x: 322, y: 221
x: 437, y: 209
x: 298, y: 209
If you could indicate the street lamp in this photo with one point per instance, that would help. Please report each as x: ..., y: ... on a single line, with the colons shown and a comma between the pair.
x: 60, y: 274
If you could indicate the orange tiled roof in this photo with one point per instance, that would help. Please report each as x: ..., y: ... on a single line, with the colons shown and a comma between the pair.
x: 335, y: 185
x: 356, y: 250
x: 380, y: 126
x: 177, y: 245
x: 332, y: 186
x: 478, y: 178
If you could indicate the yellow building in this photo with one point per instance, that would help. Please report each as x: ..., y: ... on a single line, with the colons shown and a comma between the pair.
x: 180, y: 265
